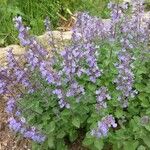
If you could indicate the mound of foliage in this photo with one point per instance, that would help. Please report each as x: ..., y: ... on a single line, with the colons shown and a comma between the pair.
x: 99, y: 84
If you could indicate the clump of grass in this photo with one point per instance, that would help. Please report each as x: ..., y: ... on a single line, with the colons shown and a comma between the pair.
x: 35, y: 11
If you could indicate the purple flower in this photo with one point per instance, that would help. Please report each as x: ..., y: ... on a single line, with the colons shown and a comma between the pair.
x: 90, y: 55
x: 36, y: 52
x: 63, y: 103
x: 101, y: 97
x: 23, y: 31
x: 20, y: 126
x: 18, y: 113
x: 18, y: 74
x: 49, y: 74
x: 125, y: 77
x: 2, y: 86
x: 88, y: 28
x: 75, y: 89
x: 75, y: 55
x: 58, y: 92
x: 103, y: 126
x: 10, y: 105
x: 32, y: 134
x: 14, y: 124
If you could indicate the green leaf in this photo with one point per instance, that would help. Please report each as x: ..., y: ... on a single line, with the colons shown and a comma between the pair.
x: 146, y: 140
x: 35, y: 146
x: 87, y: 141
x: 127, y: 145
x: 65, y: 112
x: 134, y: 125
x: 46, y: 117
x: 142, y: 96
x: 141, y: 147
x: 76, y: 122
x: 99, y: 144
x: 51, y: 127
x: 73, y: 135
x: 145, y: 103
x: 91, y: 87
x: 61, y: 134
x: 119, y: 113
x: 142, y: 70
x: 148, y: 111
x: 140, y: 87
x: 51, y: 142
x: 144, y: 99
x: 60, y: 145
x: 147, y: 127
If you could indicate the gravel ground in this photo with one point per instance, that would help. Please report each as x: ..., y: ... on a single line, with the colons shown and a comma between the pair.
x: 8, y: 140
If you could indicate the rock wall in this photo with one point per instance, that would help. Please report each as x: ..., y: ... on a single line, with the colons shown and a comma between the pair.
x: 18, y: 50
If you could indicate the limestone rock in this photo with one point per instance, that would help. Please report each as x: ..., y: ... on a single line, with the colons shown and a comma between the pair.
x: 18, y: 50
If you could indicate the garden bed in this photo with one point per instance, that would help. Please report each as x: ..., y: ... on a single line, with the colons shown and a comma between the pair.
x: 76, y: 99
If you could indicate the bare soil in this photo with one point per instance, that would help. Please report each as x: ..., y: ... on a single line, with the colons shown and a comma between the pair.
x: 8, y: 139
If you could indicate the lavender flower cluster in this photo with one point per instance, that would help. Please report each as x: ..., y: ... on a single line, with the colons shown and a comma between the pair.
x: 30, y: 133
x: 125, y: 77
x: 74, y: 58
x: 19, y: 74
x: 101, y: 97
x: 130, y: 32
x: 61, y: 96
x: 3, y: 81
x: 18, y: 123
x: 103, y: 126
x: 36, y: 52
x: 88, y: 28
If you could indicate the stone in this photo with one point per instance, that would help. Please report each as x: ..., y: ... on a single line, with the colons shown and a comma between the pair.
x: 18, y: 50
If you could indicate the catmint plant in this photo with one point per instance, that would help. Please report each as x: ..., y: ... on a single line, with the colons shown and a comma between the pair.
x: 103, y: 126
x: 98, y: 83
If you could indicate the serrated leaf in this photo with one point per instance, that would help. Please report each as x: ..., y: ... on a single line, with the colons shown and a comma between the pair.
x: 145, y: 103
x: 142, y: 70
x: 141, y: 147
x: 50, y: 142
x: 61, y: 134
x: 73, y: 135
x: 140, y: 87
x: 51, y: 127
x: 146, y: 140
x: 119, y: 113
x: 141, y: 96
x: 99, y: 144
x: 87, y: 141
x: 76, y: 122
x: 147, y: 127
x: 148, y: 111
x: 127, y: 145
x: 91, y: 87
x: 61, y: 145
x: 65, y: 112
